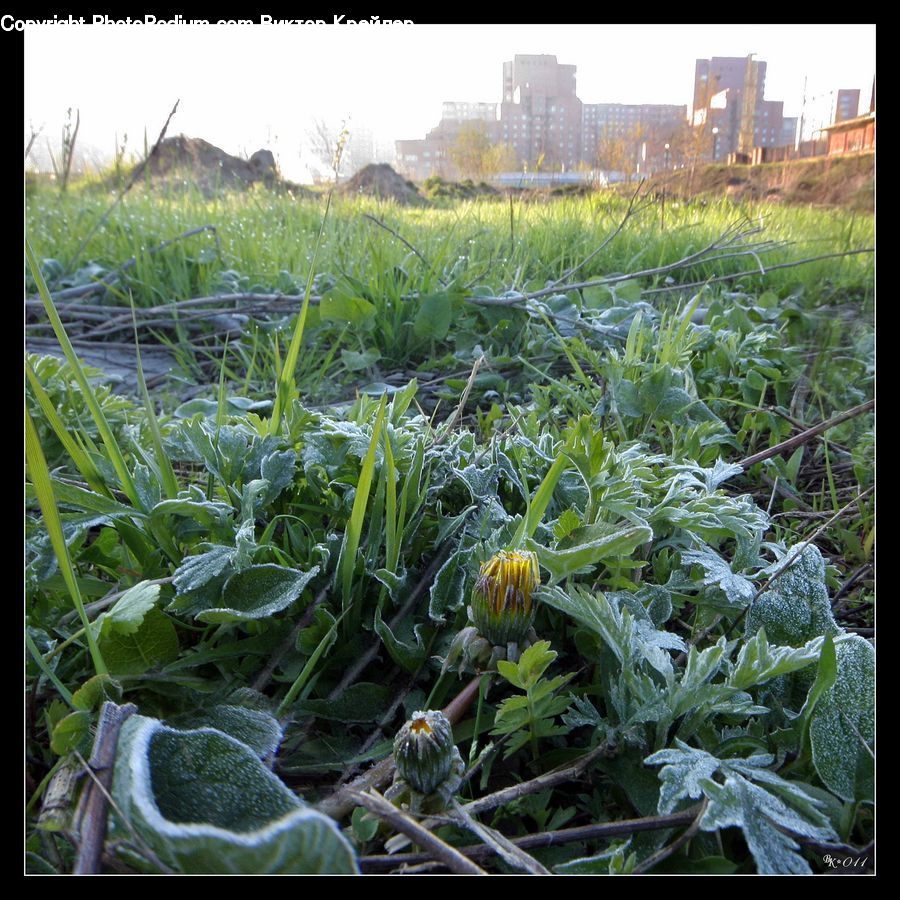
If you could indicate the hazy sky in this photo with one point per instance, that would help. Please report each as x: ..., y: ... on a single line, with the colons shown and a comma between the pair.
x: 244, y: 87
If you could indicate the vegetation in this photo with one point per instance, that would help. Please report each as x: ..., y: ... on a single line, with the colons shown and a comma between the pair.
x: 271, y: 550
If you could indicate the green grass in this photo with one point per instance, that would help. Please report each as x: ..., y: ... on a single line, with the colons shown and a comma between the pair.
x: 372, y: 454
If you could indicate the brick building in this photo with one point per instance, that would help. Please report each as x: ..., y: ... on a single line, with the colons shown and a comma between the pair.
x: 729, y: 97
x: 631, y: 123
x: 540, y: 115
x: 856, y: 135
x: 540, y: 119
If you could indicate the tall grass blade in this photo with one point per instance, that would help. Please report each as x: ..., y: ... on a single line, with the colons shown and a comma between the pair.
x: 64, y: 692
x: 109, y: 440
x: 357, y: 514
x: 164, y: 464
x: 285, y: 386
x: 83, y: 463
x: 304, y: 676
x: 541, y: 499
x: 40, y: 478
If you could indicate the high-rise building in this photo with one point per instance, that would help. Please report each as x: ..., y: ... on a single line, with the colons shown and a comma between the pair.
x: 540, y: 115
x: 464, y: 111
x: 847, y: 105
x: 418, y: 159
x: 723, y: 73
x: 788, y: 131
x: 730, y: 104
x: 633, y: 124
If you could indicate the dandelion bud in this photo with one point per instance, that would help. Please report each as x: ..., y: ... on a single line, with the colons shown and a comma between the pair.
x: 502, y: 610
x: 424, y: 751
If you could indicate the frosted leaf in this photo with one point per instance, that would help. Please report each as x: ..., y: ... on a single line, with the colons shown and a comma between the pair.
x: 195, y: 571
x: 796, y: 608
x: 759, y: 662
x: 128, y: 612
x: 738, y: 590
x: 205, y: 804
x: 755, y: 808
x: 682, y: 774
x: 742, y: 804
x: 842, y: 729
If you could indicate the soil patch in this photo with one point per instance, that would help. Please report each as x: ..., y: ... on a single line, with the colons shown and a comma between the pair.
x: 381, y: 181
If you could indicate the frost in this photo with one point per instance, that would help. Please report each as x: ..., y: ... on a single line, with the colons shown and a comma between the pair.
x: 195, y: 571
x: 742, y: 804
x: 842, y: 729
x: 796, y: 607
x: 738, y: 590
x: 752, y: 798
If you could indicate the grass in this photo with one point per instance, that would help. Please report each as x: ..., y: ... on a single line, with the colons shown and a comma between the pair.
x: 411, y: 421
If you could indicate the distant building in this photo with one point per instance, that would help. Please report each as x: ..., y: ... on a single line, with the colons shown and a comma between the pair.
x: 418, y: 159
x: 634, y: 123
x: 847, y: 105
x: 729, y: 102
x: 540, y: 119
x: 455, y: 111
x: 788, y: 131
x: 540, y: 115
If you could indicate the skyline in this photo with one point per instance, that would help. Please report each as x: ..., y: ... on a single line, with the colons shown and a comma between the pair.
x: 246, y: 87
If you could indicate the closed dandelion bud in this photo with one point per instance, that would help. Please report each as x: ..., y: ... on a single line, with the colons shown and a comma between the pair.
x: 424, y: 751
x: 502, y: 610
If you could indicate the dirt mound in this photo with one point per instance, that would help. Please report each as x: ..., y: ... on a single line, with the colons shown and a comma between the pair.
x: 380, y: 180
x: 183, y: 162
x: 831, y: 181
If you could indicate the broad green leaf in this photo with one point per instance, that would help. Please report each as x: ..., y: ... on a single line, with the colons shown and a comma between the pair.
x: 257, y: 593
x: 433, y: 319
x: 155, y: 643
x: 205, y: 804
x: 95, y: 690
x: 447, y: 592
x: 356, y: 361
x: 362, y: 702
x: 583, y: 557
x: 72, y: 733
x: 795, y: 609
x: 256, y: 728
x: 404, y: 654
x: 345, y: 309
x: 127, y: 613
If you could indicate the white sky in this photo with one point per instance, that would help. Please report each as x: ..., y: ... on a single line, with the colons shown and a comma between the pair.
x: 245, y: 87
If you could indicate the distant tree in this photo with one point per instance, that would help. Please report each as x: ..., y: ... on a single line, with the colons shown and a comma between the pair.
x: 326, y: 143
x: 476, y: 156
x: 619, y: 151
x: 500, y: 158
x: 470, y: 149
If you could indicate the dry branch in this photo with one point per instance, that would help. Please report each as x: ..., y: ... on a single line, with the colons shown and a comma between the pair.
x: 547, y: 838
x: 798, y: 439
x: 93, y: 808
x: 437, y: 849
